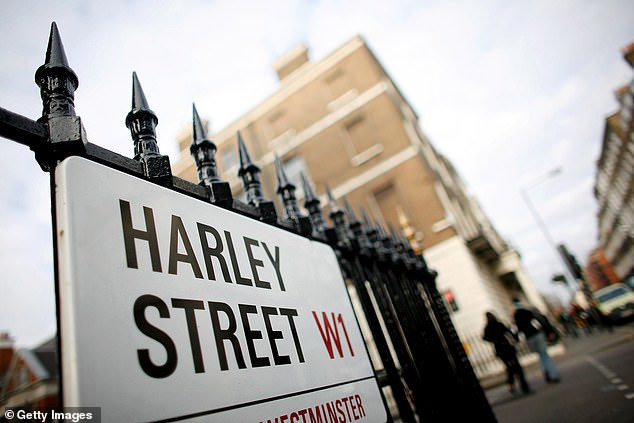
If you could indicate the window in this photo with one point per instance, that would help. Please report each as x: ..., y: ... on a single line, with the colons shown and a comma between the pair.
x: 360, y: 135
x: 361, y: 141
x: 277, y: 124
x: 337, y: 84
x: 386, y: 203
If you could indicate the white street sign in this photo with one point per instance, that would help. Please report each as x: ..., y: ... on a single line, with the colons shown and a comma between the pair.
x: 174, y: 309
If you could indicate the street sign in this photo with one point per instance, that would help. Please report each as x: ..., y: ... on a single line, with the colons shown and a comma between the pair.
x: 174, y: 309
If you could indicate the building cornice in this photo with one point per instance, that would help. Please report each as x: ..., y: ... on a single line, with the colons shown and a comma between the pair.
x: 380, y: 169
x: 290, y: 140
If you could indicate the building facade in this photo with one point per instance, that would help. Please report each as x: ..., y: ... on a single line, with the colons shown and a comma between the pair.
x: 614, y: 184
x: 31, y: 376
x: 599, y: 271
x: 343, y: 122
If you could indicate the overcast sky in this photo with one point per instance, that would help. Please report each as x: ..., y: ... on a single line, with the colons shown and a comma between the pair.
x: 506, y: 90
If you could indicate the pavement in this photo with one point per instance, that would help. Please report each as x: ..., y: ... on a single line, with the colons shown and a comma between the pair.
x: 572, y: 347
x: 584, y: 395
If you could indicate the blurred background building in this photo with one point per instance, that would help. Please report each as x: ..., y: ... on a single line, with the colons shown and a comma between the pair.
x: 343, y: 122
x: 614, y: 191
x: 599, y: 271
x: 28, y: 377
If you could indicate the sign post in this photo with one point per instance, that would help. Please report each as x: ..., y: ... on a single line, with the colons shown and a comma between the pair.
x: 174, y: 309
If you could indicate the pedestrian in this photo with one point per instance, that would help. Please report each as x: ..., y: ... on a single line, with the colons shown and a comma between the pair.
x: 568, y: 323
x: 504, y: 341
x: 527, y: 322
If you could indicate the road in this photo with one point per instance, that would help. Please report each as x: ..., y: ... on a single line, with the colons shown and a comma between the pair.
x: 597, y: 384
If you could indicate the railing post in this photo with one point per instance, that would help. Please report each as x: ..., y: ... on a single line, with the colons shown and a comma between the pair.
x: 347, y: 251
x: 58, y: 82
x: 286, y: 191
x: 403, y: 332
x: 338, y: 219
x: 359, y: 261
x: 474, y: 392
x: 311, y: 204
x: 249, y: 172
x: 142, y: 121
x: 203, y: 151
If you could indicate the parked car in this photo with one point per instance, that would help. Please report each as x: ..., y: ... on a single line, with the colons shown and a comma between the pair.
x: 629, y: 281
x: 616, y: 301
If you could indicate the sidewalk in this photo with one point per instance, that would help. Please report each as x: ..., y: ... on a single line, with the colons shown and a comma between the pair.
x: 597, y: 384
x: 570, y: 347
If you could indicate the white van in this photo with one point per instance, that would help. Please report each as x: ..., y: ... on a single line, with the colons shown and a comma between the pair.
x: 616, y: 301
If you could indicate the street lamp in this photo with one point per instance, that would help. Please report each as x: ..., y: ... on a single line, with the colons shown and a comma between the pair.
x: 531, y: 207
x: 536, y: 216
x: 560, y: 278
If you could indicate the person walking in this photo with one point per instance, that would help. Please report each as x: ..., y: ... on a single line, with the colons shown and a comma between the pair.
x: 527, y: 322
x: 504, y: 341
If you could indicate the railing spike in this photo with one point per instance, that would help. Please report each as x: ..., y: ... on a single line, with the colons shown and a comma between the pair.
x: 309, y: 193
x: 312, y: 204
x: 286, y: 190
x: 199, y: 134
x: 56, y: 79
x: 332, y: 203
x: 249, y: 172
x: 139, y: 102
x: 338, y: 218
x: 245, y: 159
x: 282, y: 179
x: 58, y: 82
x: 352, y: 217
x: 366, y: 220
x: 142, y: 121
x: 55, y: 54
x: 204, y: 152
x: 356, y: 227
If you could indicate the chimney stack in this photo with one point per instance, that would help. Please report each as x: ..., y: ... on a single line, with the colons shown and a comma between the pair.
x: 6, y: 353
x: 291, y: 61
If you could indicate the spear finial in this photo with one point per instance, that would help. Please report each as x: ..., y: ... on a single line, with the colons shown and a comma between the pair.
x: 246, y: 164
x: 311, y: 203
x: 350, y: 212
x: 142, y: 121
x: 204, y: 152
x: 337, y: 217
x: 283, y: 183
x: 286, y: 191
x: 250, y: 174
x: 332, y: 203
x: 57, y: 81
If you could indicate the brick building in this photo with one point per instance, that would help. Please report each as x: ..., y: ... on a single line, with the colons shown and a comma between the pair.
x: 614, y: 184
x: 31, y: 377
x: 343, y: 122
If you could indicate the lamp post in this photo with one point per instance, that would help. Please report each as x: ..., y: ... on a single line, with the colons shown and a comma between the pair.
x: 524, y: 192
x: 531, y: 207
